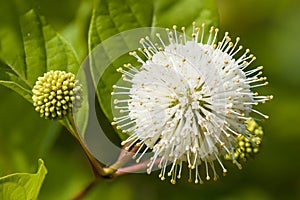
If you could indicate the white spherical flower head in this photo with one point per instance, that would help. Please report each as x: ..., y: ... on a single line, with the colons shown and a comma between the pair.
x: 188, y: 101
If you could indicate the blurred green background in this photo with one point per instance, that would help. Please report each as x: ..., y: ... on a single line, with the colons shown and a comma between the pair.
x: 269, y: 28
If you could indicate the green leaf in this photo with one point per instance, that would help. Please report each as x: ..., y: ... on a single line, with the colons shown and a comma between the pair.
x: 111, y: 17
x: 31, y: 49
x: 184, y: 12
x: 18, y: 88
x: 44, y: 49
x: 41, y: 49
x: 9, y: 79
x: 21, y: 186
x: 77, y: 30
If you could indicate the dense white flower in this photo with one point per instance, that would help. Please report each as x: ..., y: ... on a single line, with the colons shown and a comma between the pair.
x: 188, y: 101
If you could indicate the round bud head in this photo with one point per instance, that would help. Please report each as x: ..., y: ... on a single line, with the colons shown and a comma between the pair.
x: 56, y: 93
x: 247, y: 145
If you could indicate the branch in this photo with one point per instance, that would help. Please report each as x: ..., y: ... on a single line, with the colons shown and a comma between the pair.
x: 85, y: 190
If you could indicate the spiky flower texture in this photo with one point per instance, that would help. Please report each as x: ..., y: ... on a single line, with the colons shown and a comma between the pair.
x: 188, y: 102
x: 56, y: 93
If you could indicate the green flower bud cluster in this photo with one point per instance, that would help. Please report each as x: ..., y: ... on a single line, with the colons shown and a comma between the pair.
x: 56, y: 93
x: 247, y: 145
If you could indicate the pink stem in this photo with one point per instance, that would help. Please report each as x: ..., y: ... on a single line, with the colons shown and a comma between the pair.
x: 135, y: 168
x: 124, y: 156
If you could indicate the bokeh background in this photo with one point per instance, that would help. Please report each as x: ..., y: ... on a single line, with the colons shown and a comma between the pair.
x: 269, y: 28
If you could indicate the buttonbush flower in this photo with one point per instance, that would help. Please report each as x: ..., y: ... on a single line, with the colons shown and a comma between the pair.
x: 188, y: 101
x: 55, y: 94
x: 247, y: 145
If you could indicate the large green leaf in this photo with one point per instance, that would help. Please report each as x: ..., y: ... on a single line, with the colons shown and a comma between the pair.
x: 44, y: 48
x: 22, y: 186
x: 111, y: 17
x: 41, y: 49
x: 31, y: 49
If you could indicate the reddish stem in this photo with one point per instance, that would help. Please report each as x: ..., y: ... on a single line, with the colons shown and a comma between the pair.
x: 124, y: 156
x: 135, y: 168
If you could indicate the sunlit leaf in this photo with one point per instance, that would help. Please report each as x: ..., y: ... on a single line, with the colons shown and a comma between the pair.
x: 22, y: 186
